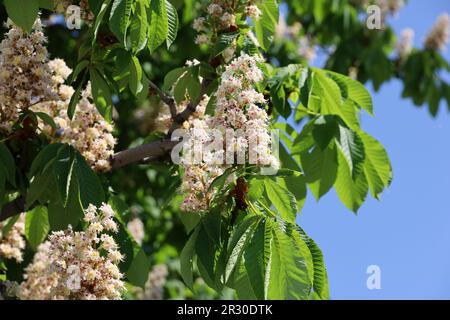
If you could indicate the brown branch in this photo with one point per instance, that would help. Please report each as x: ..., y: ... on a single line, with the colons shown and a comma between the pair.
x: 170, y: 101
x: 154, y: 149
x: 12, y: 208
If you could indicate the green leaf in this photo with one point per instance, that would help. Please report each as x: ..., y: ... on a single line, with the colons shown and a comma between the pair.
x: 158, y: 21
x: 266, y: 24
x: 9, y: 224
x: 102, y: 9
x: 47, y: 119
x: 282, y: 199
x: 352, y: 192
x: 239, y: 238
x: 291, y: 265
x: 352, y: 148
x: 36, y: 226
x: 189, y: 84
x: 377, y: 166
x: 120, y: 18
x: 2, y: 185
x: 101, y: 94
x: 22, y: 12
x: 91, y: 190
x: 47, y: 4
x: 80, y: 67
x: 44, y: 158
x: 63, y: 168
x: 139, y: 27
x: 320, y: 168
x: 186, y: 259
x: 320, y: 286
x: 172, y: 77
x: 137, y: 274
x: 74, y: 101
x: 256, y: 259
x: 59, y: 216
x: 7, y: 161
x: 225, y: 40
x: 172, y: 24
x: 206, y: 258
x: 136, y: 76
x: 353, y: 90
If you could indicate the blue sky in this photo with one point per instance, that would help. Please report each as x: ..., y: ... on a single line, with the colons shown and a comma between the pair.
x: 407, y: 233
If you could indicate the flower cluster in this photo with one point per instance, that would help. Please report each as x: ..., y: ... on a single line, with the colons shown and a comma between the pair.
x: 154, y: 287
x: 305, y: 44
x: 239, y: 107
x: 88, y: 132
x: 85, y: 12
x: 222, y: 16
x: 136, y: 229
x: 79, y: 265
x: 437, y: 39
x: 25, y: 76
x: 13, y: 243
x: 239, y: 110
x: 164, y: 119
x: 405, y: 43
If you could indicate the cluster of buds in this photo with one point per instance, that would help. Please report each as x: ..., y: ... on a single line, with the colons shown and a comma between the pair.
x: 154, y: 287
x: 239, y: 109
x: 88, y: 131
x: 437, y: 39
x: 221, y: 16
x: 405, y: 44
x: 78, y: 265
x: 25, y: 77
x: 136, y: 229
x: 13, y: 243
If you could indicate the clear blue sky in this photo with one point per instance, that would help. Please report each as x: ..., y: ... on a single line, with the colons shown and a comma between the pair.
x: 407, y: 233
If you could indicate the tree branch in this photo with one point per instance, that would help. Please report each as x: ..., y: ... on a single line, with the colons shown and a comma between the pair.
x: 12, y: 208
x: 154, y: 149
x: 170, y: 101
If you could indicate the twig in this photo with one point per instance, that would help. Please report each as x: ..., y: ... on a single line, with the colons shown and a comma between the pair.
x: 170, y: 101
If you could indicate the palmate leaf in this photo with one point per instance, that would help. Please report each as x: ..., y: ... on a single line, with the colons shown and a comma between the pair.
x: 266, y: 24
x: 187, y: 259
x: 282, y: 199
x: 352, y: 192
x: 238, y: 241
x: 36, y: 226
x: 22, y: 12
x: 172, y: 24
x: 320, y: 285
x: 257, y: 259
x: 158, y: 24
x: 320, y: 168
x: 7, y: 162
x: 377, y: 166
x: 291, y: 266
x: 353, y: 90
x: 101, y: 94
x: 139, y: 27
x: 120, y: 18
x: 61, y: 176
x: 352, y: 148
x: 325, y: 98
